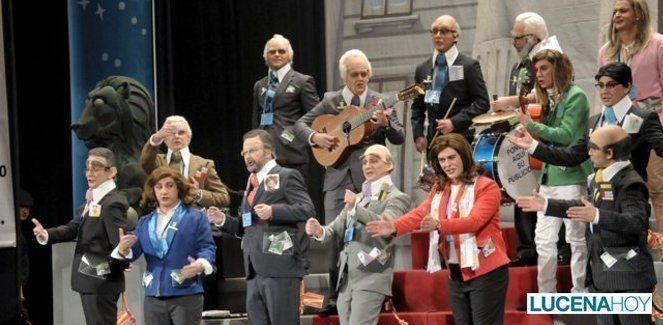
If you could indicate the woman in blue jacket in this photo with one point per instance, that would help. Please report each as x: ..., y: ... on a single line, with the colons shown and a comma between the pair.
x: 178, y: 247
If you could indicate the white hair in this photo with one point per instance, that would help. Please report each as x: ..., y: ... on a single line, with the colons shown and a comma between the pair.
x: 288, y: 47
x: 534, y: 24
x: 178, y: 118
x: 354, y: 53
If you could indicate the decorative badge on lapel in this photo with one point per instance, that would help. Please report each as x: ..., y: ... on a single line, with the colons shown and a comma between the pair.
x: 341, y: 106
x: 290, y: 89
x: 383, y: 191
x: 95, y: 210
x: 272, y: 182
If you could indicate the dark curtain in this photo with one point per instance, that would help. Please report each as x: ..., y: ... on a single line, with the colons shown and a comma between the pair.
x: 209, y: 55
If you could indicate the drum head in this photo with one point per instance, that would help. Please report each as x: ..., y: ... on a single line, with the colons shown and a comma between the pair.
x: 516, y: 176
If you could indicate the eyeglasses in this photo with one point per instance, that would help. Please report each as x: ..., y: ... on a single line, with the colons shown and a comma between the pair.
x: 272, y: 52
x: 249, y: 151
x: 517, y: 38
x: 441, y: 31
x: 96, y: 168
x: 357, y: 74
x: 607, y: 85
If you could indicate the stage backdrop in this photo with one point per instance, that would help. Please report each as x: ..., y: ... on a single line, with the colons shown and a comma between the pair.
x: 7, y: 216
x: 106, y: 38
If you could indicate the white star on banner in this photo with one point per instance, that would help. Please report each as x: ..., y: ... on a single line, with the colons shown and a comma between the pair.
x: 100, y: 12
x: 83, y: 3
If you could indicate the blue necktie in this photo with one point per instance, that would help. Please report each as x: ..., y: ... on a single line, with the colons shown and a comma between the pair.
x: 355, y: 101
x: 366, y: 194
x: 273, y: 80
x: 609, y: 117
x: 440, y: 73
x: 273, y: 84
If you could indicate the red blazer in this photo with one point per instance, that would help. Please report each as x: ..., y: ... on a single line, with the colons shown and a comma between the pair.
x: 483, y: 222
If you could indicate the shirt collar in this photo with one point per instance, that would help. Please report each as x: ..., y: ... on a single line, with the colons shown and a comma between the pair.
x: 101, y: 190
x: 347, y: 96
x: 376, y: 186
x: 451, y: 54
x: 265, y: 169
x: 280, y: 73
x: 612, y: 170
x: 186, y: 156
x: 170, y: 214
x: 620, y: 108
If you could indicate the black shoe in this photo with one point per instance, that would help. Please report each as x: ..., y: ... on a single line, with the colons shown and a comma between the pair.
x: 328, y: 310
x: 563, y: 260
x: 521, y: 261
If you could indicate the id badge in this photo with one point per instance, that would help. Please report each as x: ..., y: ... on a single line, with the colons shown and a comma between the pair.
x: 432, y: 96
x: 95, y: 210
x: 349, y: 235
x: 246, y: 219
x: 267, y: 119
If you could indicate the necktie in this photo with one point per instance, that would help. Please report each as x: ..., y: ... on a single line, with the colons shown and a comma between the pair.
x: 273, y: 80
x: 609, y: 117
x: 355, y: 101
x: 88, y: 200
x: 176, y: 161
x: 598, y: 178
x: 253, y: 179
x: 366, y: 194
x: 440, y: 73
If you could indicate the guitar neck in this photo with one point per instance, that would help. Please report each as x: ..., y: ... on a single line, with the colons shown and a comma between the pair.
x: 380, y: 104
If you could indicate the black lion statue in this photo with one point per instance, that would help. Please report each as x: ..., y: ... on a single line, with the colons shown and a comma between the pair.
x: 119, y: 115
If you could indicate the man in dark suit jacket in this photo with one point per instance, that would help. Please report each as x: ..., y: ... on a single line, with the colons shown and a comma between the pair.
x: 450, y: 75
x: 279, y: 100
x: 644, y: 127
x: 618, y: 217
x: 97, y: 277
x: 274, y: 211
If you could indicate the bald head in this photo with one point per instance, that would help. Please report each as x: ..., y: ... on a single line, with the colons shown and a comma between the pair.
x: 609, y: 144
x: 607, y: 135
x: 445, y: 32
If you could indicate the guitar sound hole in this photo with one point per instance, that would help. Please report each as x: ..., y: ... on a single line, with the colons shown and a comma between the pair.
x: 347, y: 127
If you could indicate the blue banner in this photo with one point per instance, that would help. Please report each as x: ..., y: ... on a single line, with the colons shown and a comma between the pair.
x: 106, y: 38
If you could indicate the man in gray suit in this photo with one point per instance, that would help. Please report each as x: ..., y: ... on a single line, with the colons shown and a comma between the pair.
x: 366, y: 263
x: 617, y: 212
x: 355, y: 69
x: 279, y: 99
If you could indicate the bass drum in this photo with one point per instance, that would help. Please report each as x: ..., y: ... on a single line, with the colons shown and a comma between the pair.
x: 506, y: 163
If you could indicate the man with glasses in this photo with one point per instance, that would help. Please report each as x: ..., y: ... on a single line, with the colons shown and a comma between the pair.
x: 448, y: 75
x: 273, y: 212
x: 356, y: 71
x: 97, y: 278
x: 280, y: 99
x: 614, y: 82
x: 529, y: 29
x: 207, y: 189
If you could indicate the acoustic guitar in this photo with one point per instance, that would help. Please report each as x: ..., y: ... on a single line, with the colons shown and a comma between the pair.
x: 352, y: 125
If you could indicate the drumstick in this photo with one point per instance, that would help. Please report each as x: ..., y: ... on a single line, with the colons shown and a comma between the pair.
x: 453, y: 102
x: 421, y: 164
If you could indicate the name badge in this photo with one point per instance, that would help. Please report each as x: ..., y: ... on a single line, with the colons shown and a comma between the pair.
x: 246, y: 219
x: 432, y: 96
x: 349, y: 235
x: 267, y: 119
x: 456, y: 73
x: 95, y: 210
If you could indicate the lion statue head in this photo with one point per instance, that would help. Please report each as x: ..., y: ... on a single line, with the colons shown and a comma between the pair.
x: 119, y: 115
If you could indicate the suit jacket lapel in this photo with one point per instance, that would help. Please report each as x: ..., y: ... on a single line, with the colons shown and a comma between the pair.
x: 261, y: 187
x: 283, y: 85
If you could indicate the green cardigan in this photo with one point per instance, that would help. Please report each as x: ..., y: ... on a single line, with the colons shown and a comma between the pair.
x: 564, y: 129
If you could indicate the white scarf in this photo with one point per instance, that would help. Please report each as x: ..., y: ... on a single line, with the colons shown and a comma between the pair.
x: 469, y: 252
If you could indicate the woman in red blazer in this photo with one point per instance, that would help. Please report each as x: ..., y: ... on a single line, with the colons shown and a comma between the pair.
x: 463, y: 207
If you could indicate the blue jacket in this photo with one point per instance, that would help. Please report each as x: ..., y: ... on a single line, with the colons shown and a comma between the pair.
x: 191, y: 237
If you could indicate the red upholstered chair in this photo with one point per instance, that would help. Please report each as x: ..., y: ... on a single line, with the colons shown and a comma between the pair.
x: 420, y: 291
